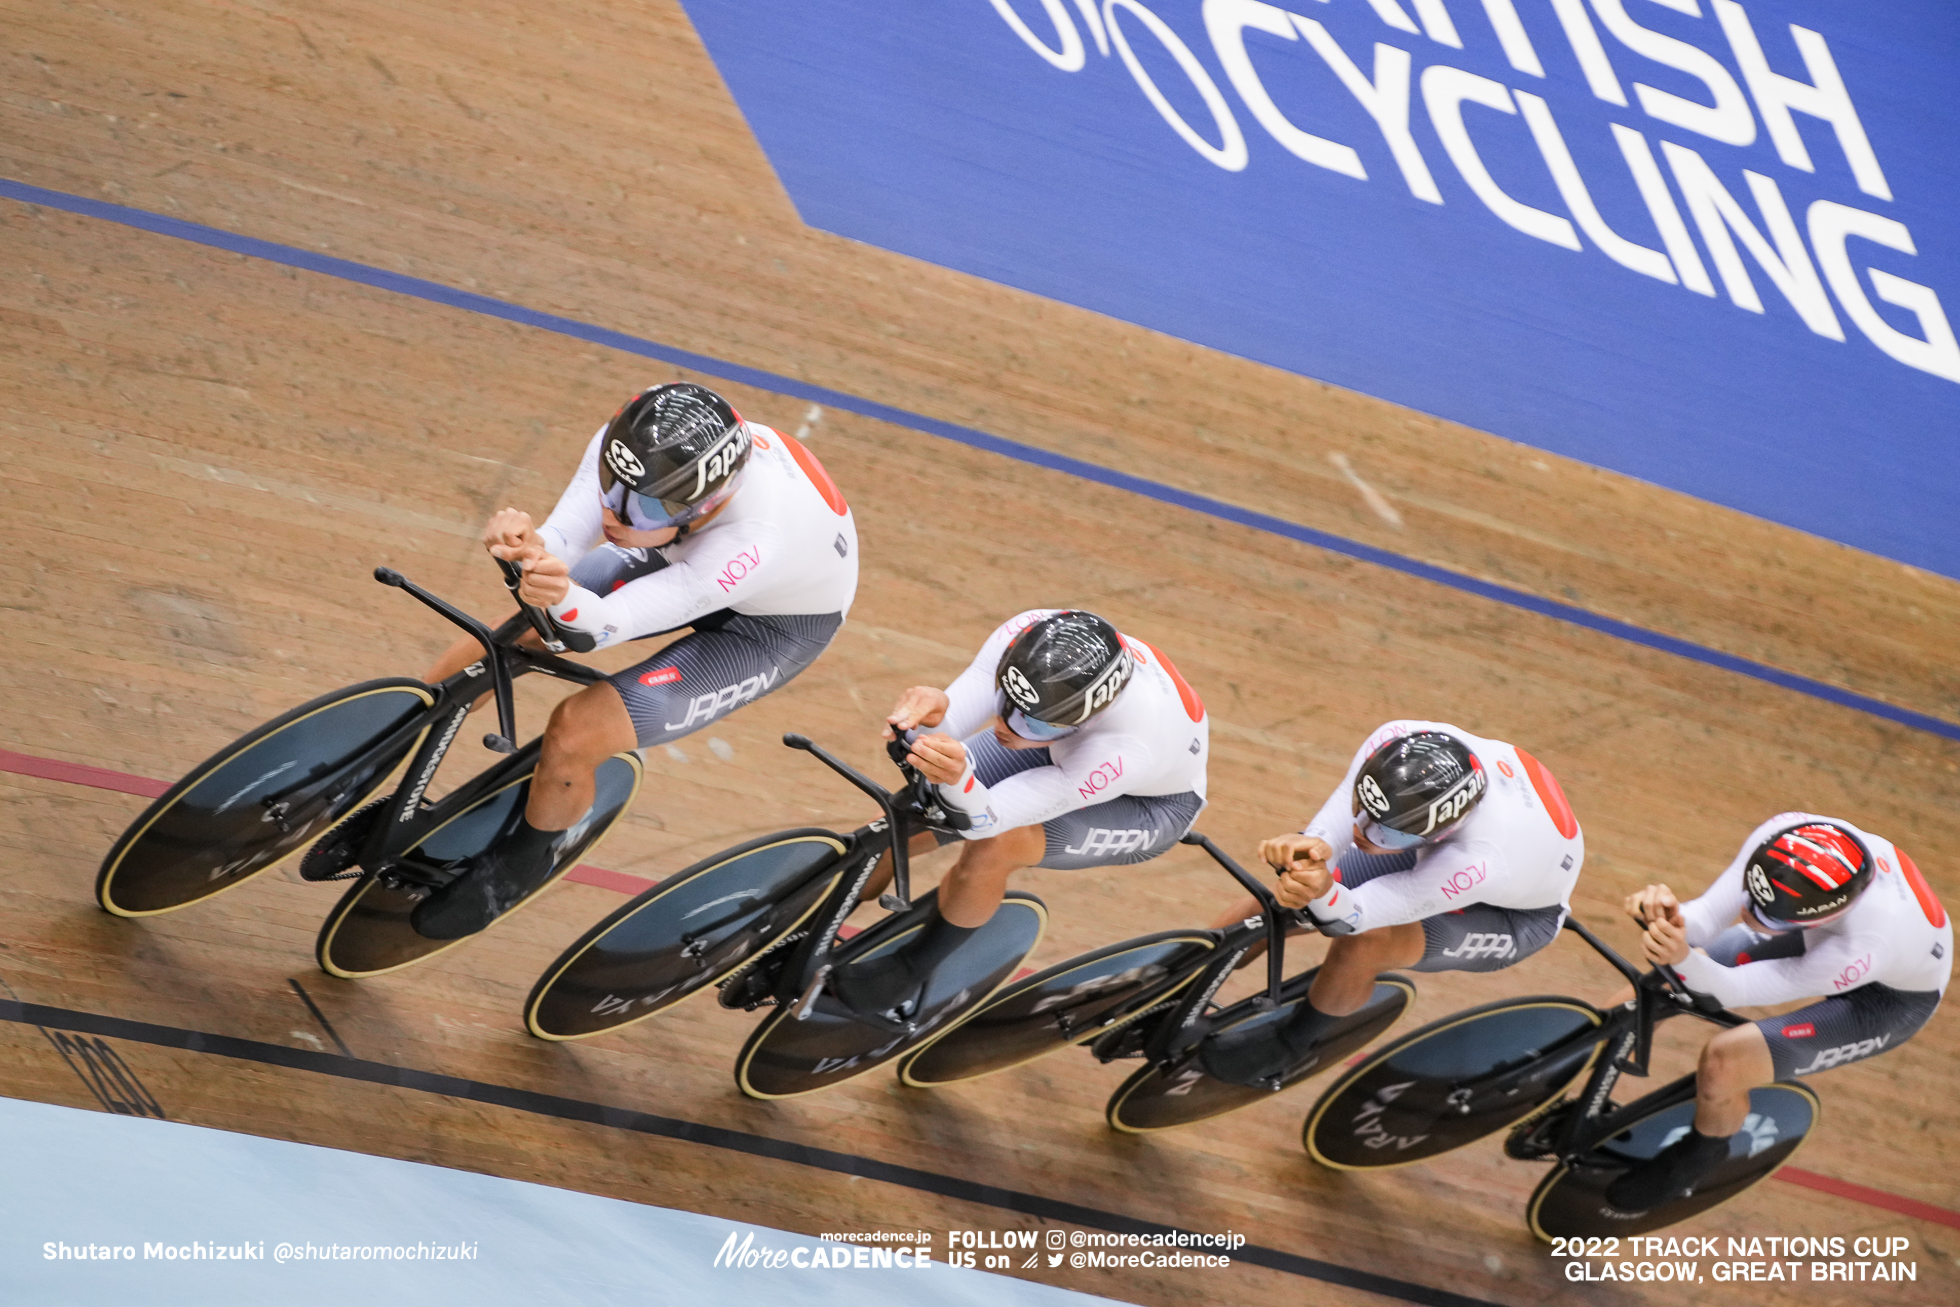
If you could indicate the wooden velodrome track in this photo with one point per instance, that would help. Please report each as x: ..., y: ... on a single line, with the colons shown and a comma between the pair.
x: 207, y: 453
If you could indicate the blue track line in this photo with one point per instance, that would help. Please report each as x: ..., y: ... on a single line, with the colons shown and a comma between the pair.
x: 450, y: 297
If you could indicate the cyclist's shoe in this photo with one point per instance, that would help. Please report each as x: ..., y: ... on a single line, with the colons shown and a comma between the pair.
x: 1260, y: 1053
x: 1669, y: 1174
x: 885, y: 991
x: 489, y: 885
x: 1257, y: 1057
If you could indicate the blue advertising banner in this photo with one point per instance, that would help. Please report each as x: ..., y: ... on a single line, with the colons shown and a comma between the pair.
x: 1709, y: 244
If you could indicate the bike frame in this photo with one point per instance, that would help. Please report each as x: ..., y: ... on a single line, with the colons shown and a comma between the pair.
x: 1182, y: 1025
x: 914, y: 809
x: 1627, y: 1033
x: 407, y: 819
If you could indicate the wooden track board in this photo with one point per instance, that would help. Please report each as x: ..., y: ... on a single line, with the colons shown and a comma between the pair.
x: 207, y: 454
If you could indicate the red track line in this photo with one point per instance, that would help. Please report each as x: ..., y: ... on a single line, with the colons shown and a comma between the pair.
x: 1858, y: 1193
x: 101, y: 778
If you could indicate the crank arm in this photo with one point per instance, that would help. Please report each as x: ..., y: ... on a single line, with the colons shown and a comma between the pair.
x: 801, y: 1012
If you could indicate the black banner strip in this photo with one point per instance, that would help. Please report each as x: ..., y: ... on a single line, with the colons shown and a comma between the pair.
x: 694, y: 1132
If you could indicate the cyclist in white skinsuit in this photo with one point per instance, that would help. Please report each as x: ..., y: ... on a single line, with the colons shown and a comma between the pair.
x: 1069, y: 745
x: 1439, y: 851
x: 1810, y: 905
x: 680, y: 515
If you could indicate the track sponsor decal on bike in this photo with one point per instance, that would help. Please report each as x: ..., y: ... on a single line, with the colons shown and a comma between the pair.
x: 954, y: 1006
x: 707, y: 707
x: 1144, y: 975
x: 1478, y: 944
x: 1102, y: 842
x: 414, y: 800
x: 1830, y: 1057
x: 1368, y: 1127
x: 1185, y: 1081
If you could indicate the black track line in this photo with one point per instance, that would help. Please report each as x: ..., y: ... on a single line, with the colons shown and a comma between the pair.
x: 694, y: 1132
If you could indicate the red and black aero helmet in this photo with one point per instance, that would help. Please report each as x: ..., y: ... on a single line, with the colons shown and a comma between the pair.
x: 1416, y: 789
x: 671, y: 456
x: 1060, y: 672
x: 1806, y: 875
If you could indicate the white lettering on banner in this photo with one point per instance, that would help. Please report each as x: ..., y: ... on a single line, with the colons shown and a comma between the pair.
x: 1070, y: 57
x: 1511, y: 35
x: 1586, y: 47
x: 1572, y: 189
x: 1230, y: 154
x: 1225, y: 23
x: 1386, y: 100
x: 1778, y: 246
x: 1444, y: 89
x: 1728, y: 120
x: 1660, y: 207
x: 1823, y: 97
x: 1436, y: 22
x: 1716, y: 213
x: 1830, y: 225
x: 1392, y: 14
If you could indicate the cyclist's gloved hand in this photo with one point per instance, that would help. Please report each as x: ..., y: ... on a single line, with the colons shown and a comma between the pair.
x: 1666, y: 941
x: 922, y: 705
x: 510, y: 535
x: 547, y: 580
x: 940, y: 758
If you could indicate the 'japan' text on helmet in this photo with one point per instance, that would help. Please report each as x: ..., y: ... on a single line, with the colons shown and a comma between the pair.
x: 671, y: 456
x: 1060, y: 672
x: 1806, y: 875
x: 1416, y: 789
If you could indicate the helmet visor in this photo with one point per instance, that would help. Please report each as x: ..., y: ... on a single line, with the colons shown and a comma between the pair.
x: 1029, y: 729
x: 645, y: 512
x: 1387, y: 837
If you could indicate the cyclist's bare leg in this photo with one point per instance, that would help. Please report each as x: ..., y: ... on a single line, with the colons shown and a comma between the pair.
x: 586, y: 729
x: 972, y: 889
x: 881, y: 875
x: 464, y: 652
x: 1732, y: 1063
x: 1347, y: 977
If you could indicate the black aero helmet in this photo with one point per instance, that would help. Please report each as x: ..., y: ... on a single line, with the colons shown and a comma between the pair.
x: 1060, y: 672
x: 671, y: 456
x: 1805, y: 875
x: 1416, y: 789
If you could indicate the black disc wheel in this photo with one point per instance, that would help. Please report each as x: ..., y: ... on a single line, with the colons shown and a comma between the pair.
x: 368, y: 932
x: 253, y: 803
x: 1452, y: 1082
x: 786, y: 1058
x: 1069, y: 1003
x: 689, y: 931
x: 1158, y: 1097
x: 1572, y: 1199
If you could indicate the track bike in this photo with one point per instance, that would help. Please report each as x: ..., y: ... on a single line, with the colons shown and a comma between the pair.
x: 269, y: 794
x: 1507, y: 1063
x: 1152, y: 998
x: 763, y: 923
